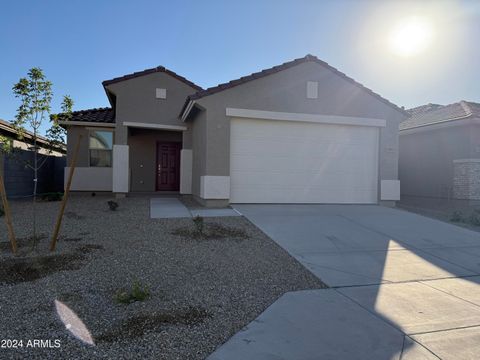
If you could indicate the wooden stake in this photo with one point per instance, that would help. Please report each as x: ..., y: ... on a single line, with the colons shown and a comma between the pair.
x: 8, y: 217
x: 65, y: 196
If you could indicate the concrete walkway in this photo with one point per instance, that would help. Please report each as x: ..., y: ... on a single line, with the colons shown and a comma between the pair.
x: 171, y: 207
x: 405, y: 287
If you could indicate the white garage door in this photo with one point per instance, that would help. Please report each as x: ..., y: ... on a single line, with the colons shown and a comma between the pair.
x: 274, y: 161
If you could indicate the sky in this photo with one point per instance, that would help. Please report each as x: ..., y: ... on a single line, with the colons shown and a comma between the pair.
x: 80, y: 43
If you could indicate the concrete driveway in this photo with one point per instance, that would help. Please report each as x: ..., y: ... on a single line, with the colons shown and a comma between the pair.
x: 403, y: 287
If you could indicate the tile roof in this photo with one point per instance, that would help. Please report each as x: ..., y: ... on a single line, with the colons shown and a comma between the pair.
x: 151, y: 71
x: 423, y: 109
x: 434, y: 113
x: 6, y: 127
x: 275, y: 69
x: 97, y: 115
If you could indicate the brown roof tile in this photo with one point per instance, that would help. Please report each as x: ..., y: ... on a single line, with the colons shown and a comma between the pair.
x: 151, y: 71
x: 97, y: 115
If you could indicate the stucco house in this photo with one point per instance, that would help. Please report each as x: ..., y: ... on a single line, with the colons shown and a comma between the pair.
x: 300, y: 132
x: 440, y: 151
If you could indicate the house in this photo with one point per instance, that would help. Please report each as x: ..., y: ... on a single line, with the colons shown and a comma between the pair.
x: 18, y: 178
x: 440, y: 151
x: 299, y: 132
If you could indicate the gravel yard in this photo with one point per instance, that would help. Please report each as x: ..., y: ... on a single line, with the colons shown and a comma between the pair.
x: 203, y: 289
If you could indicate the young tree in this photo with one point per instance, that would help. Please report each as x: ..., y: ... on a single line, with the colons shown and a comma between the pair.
x: 35, y: 94
x: 56, y: 135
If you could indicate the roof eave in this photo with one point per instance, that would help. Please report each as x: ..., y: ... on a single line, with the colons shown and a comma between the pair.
x: 187, y: 106
x: 66, y: 123
x: 436, y: 122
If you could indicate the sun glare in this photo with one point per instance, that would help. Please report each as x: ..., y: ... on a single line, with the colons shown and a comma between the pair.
x: 411, y: 36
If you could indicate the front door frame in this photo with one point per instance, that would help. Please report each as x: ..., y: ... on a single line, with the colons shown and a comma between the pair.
x: 179, y: 148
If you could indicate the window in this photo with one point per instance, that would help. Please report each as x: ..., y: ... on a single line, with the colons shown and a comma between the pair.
x: 100, y: 147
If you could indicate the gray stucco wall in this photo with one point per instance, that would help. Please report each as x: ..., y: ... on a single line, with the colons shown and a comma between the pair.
x: 143, y: 156
x: 426, y: 158
x: 285, y: 91
x: 136, y: 102
x: 83, y: 159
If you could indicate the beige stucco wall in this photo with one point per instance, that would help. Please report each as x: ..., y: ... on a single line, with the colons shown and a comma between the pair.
x: 285, y: 91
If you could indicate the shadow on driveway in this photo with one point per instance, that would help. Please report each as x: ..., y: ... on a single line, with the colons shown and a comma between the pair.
x: 403, y: 287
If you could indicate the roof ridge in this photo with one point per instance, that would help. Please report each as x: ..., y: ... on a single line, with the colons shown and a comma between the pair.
x: 93, y: 109
x: 466, y: 107
x: 307, y: 58
x: 422, y: 106
x: 159, y: 68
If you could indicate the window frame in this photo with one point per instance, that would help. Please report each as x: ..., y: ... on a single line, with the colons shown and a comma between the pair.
x: 90, y: 131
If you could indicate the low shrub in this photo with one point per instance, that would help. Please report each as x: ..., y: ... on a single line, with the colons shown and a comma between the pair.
x: 54, y: 196
x: 136, y: 293
x: 199, y: 224
x: 457, y: 216
x: 112, y: 205
x: 474, y: 218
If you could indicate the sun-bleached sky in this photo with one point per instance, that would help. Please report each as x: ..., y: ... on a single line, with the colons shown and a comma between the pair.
x: 411, y: 52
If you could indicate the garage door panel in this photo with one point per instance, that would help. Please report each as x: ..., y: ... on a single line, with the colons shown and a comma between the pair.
x: 302, y: 148
x: 269, y: 194
x: 306, y: 180
x: 276, y: 129
x: 297, y: 162
x: 264, y: 162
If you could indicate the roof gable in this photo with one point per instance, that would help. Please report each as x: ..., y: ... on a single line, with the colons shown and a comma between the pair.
x: 151, y: 71
x: 308, y: 58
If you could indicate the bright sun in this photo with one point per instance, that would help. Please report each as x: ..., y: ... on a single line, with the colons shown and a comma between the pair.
x: 411, y: 36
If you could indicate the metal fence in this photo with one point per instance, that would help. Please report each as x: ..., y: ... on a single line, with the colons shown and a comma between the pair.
x: 19, y: 177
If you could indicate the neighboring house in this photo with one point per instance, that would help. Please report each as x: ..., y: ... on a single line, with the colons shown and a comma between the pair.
x: 17, y: 176
x: 440, y: 151
x: 300, y: 132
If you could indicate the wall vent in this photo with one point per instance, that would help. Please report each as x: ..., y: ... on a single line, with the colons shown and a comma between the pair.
x: 312, y: 90
x: 160, y: 93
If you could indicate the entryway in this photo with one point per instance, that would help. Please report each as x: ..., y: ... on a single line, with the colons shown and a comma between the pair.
x: 168, y: 166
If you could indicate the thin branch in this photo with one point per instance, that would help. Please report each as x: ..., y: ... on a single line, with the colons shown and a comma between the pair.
x: 42, y: 162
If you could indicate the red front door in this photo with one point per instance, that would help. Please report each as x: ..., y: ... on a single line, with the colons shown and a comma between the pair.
x: 168, y: 166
